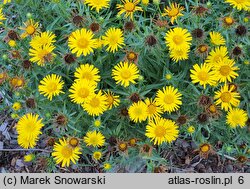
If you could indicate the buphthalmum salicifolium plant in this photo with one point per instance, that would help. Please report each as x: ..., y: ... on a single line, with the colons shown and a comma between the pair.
x: 113, y: 84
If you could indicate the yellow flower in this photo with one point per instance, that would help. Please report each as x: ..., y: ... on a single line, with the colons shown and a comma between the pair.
x: 16, y: 106
x: 239, y: 4
x: 168, y: 76
x: 81, y: 42
x: 173, y: 11
x: 162, y: 130
x: 125, y: 73
x: 112, y: 100
x: 179, y: 54
x: 203, y: 75
x: 107, y: 166
x: 6, y: 1
x: 44, y: 38
x: 12, y: 43
x: 29, y: 157
x: 2, y: 17
x: 153, y: 110
x: 216, y: 55
x: 145, y: 2
x: 227, y: 98
x: 97, y: 155
x: 51, y: 85
x: 114, y: 39
x: 42, y: 54
x: 138, y: 111
x: 217, y: 38
x: 128, y: 7
x: 191, y: 129
x: 81, y: 91
x: 87, y: 72
x: 97, y: 4
x: 94, y: 138
x: 97, y: 123
x: 225, y: 70
x: 96, y: 104
x: 64, y: 153
x: 169, y: 99
x: 28, y: 129
x: 30, y: 28
x: 236, y: 117
x: 178, y: 38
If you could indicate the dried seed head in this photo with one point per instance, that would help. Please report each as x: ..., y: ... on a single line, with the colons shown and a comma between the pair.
x: 203, y: 117
x: 69, y: 58
x: 94, y: 27
x: 151, y: 40
x: 27, y: 64
x: 77, y: 20
x: 30, y: 103
x: 124, y: 112
x: 204, y: 100
x: 61, y: 120
x: 112, y: 141
x: 135, y: 97
x: 241, y: 30
x: 129, y: 26
x: 15, y: 54
x: 198, y: 33
x: 242, y: 159
x: 13, y: 35
x: 200, y: 10
x: 51, y: 141
x: 237, y: 51
x: 182, y: 119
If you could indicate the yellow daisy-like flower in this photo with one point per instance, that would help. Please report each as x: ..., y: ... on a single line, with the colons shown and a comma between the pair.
x: 169, y: 99
x: 173, y: 11
x: 31, y: 28
x: 51, y: 85
x: 225, y: 70
x: 43, y: 39
x: 239, y: 4
x: 97, y: 155
x: 42, y: 54
x: 6, y: 1
x: 29, y: 157
x: 227, y: 98
x: 237, y: 117
x: 17, y: 106
x: 178, y: 38
x: 179, y: 54
x: 87, y: 72
x: 107, y: 166
x: 96, y: 104
x: 216, y: 55
x: 112, y: 99
x: 162, y: 130
x: 2, y: 17
x: 64, y: 153
x: 138, y: 111
x: 128, y: 7
x: 217, y: 39
x: 97, y: 4
x: 94, y: 138
x: 114, y: 39
x: 81, y: 42
x: 81, y: 90
x: 28, y: 129
x: 125, y: 73
x: 203, y: 75
x: 153, y: 110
